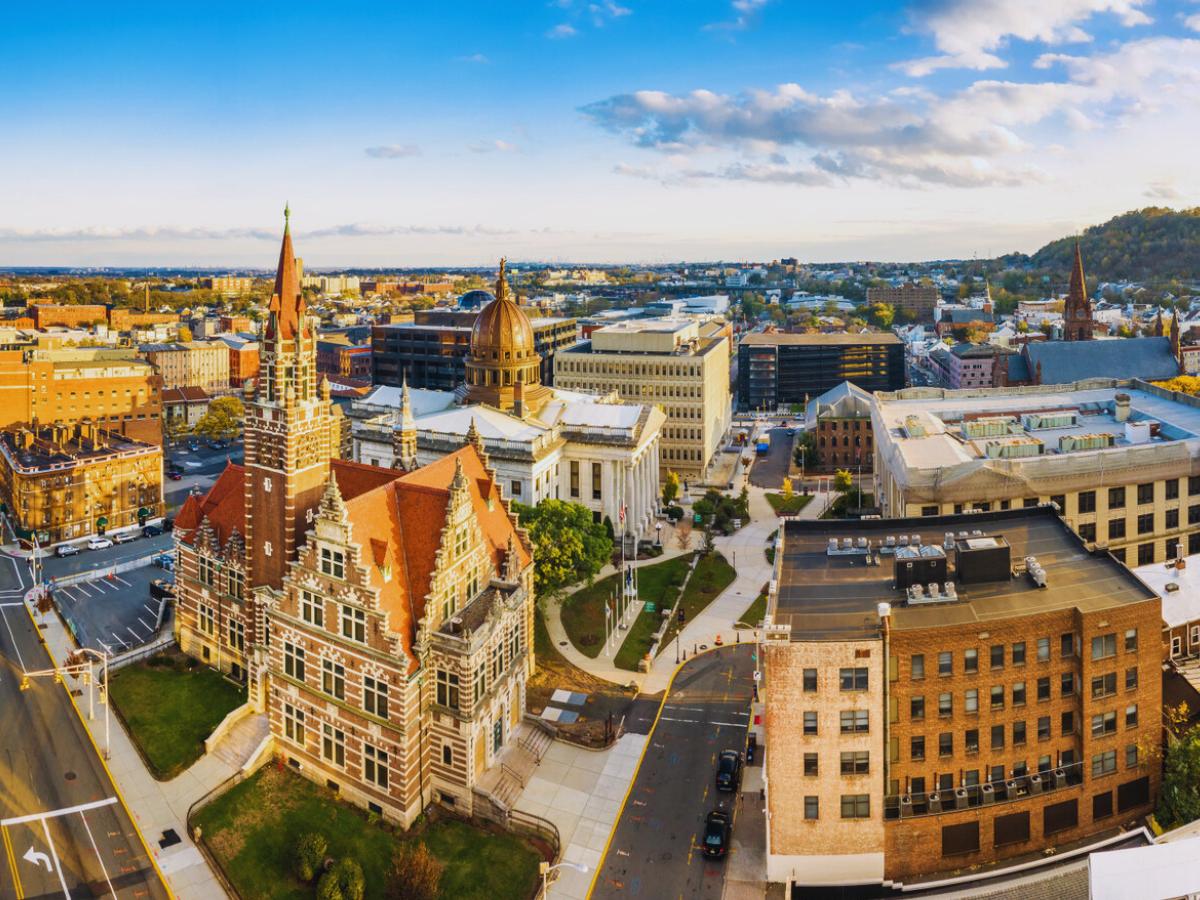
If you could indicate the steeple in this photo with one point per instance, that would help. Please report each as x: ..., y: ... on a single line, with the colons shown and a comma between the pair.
x: 404, y: 437
x: 286, y: 310
x: 1158, y: 324
x: 1077, y: 312
x: 1175, y: 337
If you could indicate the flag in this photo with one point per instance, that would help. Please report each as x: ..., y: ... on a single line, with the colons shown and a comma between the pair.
x: 622, y: 514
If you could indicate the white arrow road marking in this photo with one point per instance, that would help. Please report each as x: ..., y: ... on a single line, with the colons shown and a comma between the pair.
x: 36, y: 858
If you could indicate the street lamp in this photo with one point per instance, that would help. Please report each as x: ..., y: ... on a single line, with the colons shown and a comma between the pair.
x: 544, y: 868
x: 77, y: 670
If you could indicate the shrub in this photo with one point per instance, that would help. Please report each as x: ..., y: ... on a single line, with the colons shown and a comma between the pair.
x: 416, y: 875
x: 343, y: 881
x: 310, y: 854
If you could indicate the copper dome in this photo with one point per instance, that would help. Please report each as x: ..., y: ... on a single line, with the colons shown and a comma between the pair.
x: 502, y: 332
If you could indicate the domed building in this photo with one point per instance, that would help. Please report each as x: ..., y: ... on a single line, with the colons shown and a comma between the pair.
x: 476, y: 299
x: 504, y: 368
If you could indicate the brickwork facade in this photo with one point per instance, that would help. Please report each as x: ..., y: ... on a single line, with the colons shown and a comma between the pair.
x: 845, y: 443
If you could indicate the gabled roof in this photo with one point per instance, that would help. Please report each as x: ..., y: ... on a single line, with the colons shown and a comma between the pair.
x: 224, y: 506
x: 1063, y: 362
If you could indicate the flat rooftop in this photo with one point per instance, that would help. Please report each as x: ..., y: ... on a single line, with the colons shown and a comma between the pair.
x: 840, y: 338
x: 827, y: 596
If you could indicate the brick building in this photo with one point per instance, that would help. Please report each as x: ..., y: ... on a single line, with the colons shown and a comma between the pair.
x: 243, y: 359
x: 202, y: 364
x: 840, y: 420
x: 965, y: 721
x: 49, y: 315
x: 917, y: 300
x: 383, y: 619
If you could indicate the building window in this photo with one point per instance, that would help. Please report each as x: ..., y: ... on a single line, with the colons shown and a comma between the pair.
x: 970, y: 661
x: 810, y: 764
x: 1067, y: 645
x: 1131, y: 716
x: 1018, y: 733
x: 354, y: 624
x: 852, y: 679
x: 997, y: 656
x: 447, y: 755
x: 1116, y: 529
x: 1018, y: 693
x: 1043, y: 689
x: 971, y: 701
x: 574, y: 478
x: 1104, y: 646
x: 293, y: 724
x: 854, y: 721
x: 208, y: 571
x: 1172, y: 520
x: 236, y: 584
x: 1172, y: 486
x: 916, y: 709
x: 375, y: 696
x: 207, y: 619
x: 1104, y: 685
x: 916, y: 747
x: 1116, y: 498
x: 1043, y: 649
x: 1145, y: 492
x: 856, y: 806
x: 1043, y: 726
x: 293, y: 661
x: 972, y: 740
x: 312, y: 609
x: 946, y: 744
x: 516, y: 488
x: 997, y: 696
x: 811, y: 807
x: 1067, y: 721
x: 1018, y: 653
x: 375, y: 766
x: 856, y: 762
x: 1131, y: 643
x: 945, y: 704
x: 918, y: 666
x: 596, y: 468
x: 945, y: 663
x: 1104, y: 763
x: 1194, y: 515
x: 997, y: 737
x: 810, y: 680
x: 1131, y: 756
x: 333, y: 562
x: 333, y: 745
x: 447, y: 689
x: 333, y: 679
x: 810, y: 723
x: 1068, y: 684
x: 1087, y: 502
x: 1131, y: 678
x: 1087, y: 533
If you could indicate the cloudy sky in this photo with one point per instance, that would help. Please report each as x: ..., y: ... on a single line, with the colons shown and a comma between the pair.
x: 407, y: 133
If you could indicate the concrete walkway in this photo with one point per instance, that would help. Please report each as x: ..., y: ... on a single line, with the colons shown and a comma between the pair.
x: 154, y: 805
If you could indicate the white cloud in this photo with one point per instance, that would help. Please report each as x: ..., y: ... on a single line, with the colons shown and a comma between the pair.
x: 972, y: 137
x: 151, y: 233
x: 393, y: 151
x: 1193, y: 22
x: 744, y: 13
x: 605, y: 11
x: 493, y: 146
x: 969, y: 32
x: 475, y: 58
x: 561, y: 31
x: 1161, y: 190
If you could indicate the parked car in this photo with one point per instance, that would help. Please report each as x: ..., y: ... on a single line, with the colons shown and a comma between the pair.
x: 124, y: 537
x: 175, y: 474
x: 729, y: 770
x: 151, y: 530
x: 168, y: 524
x: 66, y: 550
x: 193, y: 446
x: 99, y: 543
x: 716, y: 834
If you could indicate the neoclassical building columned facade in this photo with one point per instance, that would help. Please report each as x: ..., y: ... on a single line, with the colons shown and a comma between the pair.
x: 382, y: 617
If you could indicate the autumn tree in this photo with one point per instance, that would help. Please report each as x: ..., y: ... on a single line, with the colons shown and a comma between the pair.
x: 416, y: 874
x: 670, y: 489
x: 223, y: 419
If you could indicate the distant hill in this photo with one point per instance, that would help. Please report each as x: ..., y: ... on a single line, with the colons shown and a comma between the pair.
x: 1152, y: 244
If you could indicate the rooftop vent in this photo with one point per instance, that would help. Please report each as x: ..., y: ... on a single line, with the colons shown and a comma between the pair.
x: 1069, y: 443
x: 1058, y: 418
x: 1013, y: 448
x: 990, y: 426
x: 913, y: 427
x: 982, y: 559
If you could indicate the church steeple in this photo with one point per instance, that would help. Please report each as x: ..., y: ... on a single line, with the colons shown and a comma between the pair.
x: 286, y: 309
x: 404, y: 437
x: 1077, y: 312
x: 1158, y: 324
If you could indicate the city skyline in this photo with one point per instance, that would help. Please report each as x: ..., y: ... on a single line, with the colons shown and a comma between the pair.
x: 591, y: 132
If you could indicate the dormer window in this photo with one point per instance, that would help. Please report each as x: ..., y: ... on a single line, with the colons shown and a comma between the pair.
x: 333, y: 562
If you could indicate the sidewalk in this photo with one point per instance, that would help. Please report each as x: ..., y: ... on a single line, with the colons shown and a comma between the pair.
x: 154, y: 805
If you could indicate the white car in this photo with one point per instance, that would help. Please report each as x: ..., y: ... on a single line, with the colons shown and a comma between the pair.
x: 99, y: 543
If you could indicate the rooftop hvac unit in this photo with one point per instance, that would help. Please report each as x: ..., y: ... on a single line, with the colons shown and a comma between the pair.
x: 935, y: 803
x: 913, y: 427
x: 983, y: 560
x: 1016, y: 787
x: 948, y: 540
x: 1035, y: 570
x: 904, y: 540
x: 1054, y: 419
x: 915, y: 568
x: 1069, y: 443
x: 987, y: 794
x: 906, y: 807
x: 961, y: 800
x: 1060, y: 778
x: 1036, y: 784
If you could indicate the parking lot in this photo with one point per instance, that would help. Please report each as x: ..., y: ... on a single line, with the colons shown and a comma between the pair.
x: 113, y: 613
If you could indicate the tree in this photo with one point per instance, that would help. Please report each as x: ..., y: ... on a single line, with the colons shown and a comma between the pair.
x: 805, y: 451
x: 222, y: 420
x: 416, y: 875
x: 788, y: 491
x: 1179, y: 799
x: 884, y: 314
x: 343, y: 881
x: 567, y: 545
x: 843, y: 481
x: 975, y: 334
x: 310, y: 855
x: 671, y: 488
x: 185, y: 334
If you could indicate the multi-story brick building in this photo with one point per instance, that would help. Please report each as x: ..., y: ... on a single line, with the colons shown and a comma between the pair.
x: 840, y: 420
x: 65, y: 482
x: 1121, y: 459
x: 916, y: 300
x: 202, y: 364
x: 382, y: 618
x: 82, y: 315
x: 950, y: 693
x: 111, y: 388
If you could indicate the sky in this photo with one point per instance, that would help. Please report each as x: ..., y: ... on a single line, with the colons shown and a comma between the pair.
x: 451, y: 133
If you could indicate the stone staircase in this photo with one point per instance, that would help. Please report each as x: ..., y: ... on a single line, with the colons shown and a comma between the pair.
x: 243, y: 739
x: 505, y: 780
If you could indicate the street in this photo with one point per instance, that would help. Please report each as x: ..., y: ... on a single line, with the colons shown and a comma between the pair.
x: 200, y: 469
x: 769, y: 471
x: 655, y: 849
x: 64, y: 830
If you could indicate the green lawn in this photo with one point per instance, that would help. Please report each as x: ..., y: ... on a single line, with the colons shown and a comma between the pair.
x: 755, y: 611
x: 713, y: 574
x: 170, y: 704
x: 840, y: 507
x: 583, y: 611
x: 788, y: 506
x: 253, y: 830
x: 769, y: 551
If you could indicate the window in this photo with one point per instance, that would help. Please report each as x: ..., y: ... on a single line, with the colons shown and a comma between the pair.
x: 236, y: 583
x: 1043, y: 689
x: 945, y: 744
x: 810, y: 680
x: 1102, y: 804
x: 1193, y: 485
x: 1116, y: 498
x: 1145, y: 554
x: 1116, y: 529
x: 333, y: 679
x: 917, y: 747
x: 447, y: 755
x: 333, y: 744
x: 997, y: 737
x: 574, y: 478
x: 1193, y: 515
x: 1043, y: 728
x: 312, y: 609
x: 1068, y: 684
x: 333, y: 562
x: 1087, y: 501
x: 293, y: 724
x: 375, y: 696
x: 1060, y: 501
x: 997, y: 696
x: 972, y: 740
x: 810, y: 723
x: 1018, y: 693
x: 1131, y: 644
x: 853, y: 679
x: 997, y: 656
x: 958, y: 840
x: 1145, y: 492
x: 354, y: 624
x: 945, y: 704
x: 1067, y: 721
x: 1043, y: 649
x: 1104, y: 685
x: 945, y: 663
x: 1131, y: 679
x: 810, y: 764
x: 1172, y: 486
x: 293, y: 661
x: 1087, y: 533
x: 1011, y: 829
x: 812, y: 808
x: 1067, y: 645
x: 1131, y: 756
x: 854, y: 721
x: 916, y: 709
x: 918, y: 666
x: 447, y: 689
x: 1131, y: 716
x: 596, y: 469
x: 856, y: 806
x: 1133, y: 793
x: 1060, y: 816
x: 1172, y: 518
x: 856, y: 762
x: 208, y: 571
x: 1104, y: 646
x: 207, y: 619
x: 516, y: 488
x: 1104, y: 763
x: 970, y: 661
x: 971, y: 701
x: 375, y: 766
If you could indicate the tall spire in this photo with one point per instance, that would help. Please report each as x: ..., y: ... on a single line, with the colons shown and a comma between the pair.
x: 287, y: 302
x: 1077, y: 312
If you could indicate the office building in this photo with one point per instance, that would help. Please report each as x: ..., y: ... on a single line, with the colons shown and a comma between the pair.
x: 229, y: 285
x: 777, y: 369
x: 202, y: 364
x: 680, y: 365
x: 917, y: 301
x: 952, y: 694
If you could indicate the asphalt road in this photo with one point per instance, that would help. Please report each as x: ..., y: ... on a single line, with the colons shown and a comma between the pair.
x: 769, y: 471
x: 200, y: 467
x: 655, y: 850
x: 64, y: 832
x: 87, y: 560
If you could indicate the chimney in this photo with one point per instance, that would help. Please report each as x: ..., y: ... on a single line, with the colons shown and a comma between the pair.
x: 1121, y: 407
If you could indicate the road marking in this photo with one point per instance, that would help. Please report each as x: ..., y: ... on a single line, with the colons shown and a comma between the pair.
x: 12, y: 862
x: 669, y: 719
x: 729, y: 724
x: 144, y: 625
x: 107, y: 649
x: 54, y: 855
x: 148, y: 608
x: 136, y: 636
x: 117, y: 577
x: 119, y: 641
x: 99, y: 859
x: 55, y: 813
x: 36, y: 858
x: 13, y: 638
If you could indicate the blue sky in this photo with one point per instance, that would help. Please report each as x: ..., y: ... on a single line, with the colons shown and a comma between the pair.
x: 619, y: 130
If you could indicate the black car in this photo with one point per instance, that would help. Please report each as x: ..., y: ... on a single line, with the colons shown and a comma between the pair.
x: 151, y: 531
x: 716, y: 834
x: 729, y: 770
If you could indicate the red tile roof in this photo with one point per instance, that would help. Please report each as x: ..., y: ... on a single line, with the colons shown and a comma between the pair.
x: 224, y: 505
